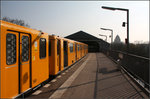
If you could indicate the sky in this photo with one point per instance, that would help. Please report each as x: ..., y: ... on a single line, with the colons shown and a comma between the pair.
x: 63, y: 18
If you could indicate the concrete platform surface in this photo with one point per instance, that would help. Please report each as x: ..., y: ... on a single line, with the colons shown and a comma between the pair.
x: 94, y: 77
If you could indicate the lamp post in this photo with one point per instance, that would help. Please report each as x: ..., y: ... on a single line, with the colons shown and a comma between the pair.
x: 111, y: 33
x: 104, y: 36
x: 122, y: 9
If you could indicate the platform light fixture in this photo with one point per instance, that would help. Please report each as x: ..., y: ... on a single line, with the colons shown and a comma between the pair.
x: 122, y: 9
x: 104, y: 36
x: 111, y: 33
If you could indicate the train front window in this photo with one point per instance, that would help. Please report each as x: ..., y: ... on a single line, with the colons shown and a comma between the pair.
x: 42, y: 48
x: 10, y: 49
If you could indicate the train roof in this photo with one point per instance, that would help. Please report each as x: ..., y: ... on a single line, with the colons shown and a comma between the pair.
x: 57, y: 37
x: 18, y: 28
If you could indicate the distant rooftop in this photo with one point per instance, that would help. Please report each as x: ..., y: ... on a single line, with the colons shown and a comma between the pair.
x: 81, y: 35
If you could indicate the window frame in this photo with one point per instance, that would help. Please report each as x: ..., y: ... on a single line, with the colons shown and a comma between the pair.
x: 41, y: 57
x: 71, y: 47
x: 7, y: 49
x: 22, y: 50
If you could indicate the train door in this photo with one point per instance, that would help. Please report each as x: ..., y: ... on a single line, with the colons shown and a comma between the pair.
x: 65, y: 53
x: 58, y: 54
x: 16, y: 73
x: 10, y: 82
x: 24, y: 62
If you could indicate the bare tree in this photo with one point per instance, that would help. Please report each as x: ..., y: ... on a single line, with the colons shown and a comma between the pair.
x: 15, y: 21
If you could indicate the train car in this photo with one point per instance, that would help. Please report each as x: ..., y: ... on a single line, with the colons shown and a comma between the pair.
x: 28, y: 57
x: 23, y: 59
x: 62, y: 53
x: 56, y: 53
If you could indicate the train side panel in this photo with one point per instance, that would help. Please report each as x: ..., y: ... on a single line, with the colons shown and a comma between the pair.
x: 53, y: 57
x: 25, y: 59
x: 28, y: 57
x: 56, y: 59
x: 40, y: 68
x: 9, y: 71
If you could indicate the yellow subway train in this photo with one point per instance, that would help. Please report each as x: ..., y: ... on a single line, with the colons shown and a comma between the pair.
x: 29, y: 57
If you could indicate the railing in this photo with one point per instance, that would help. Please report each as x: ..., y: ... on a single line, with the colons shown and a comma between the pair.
x: 137, y: 66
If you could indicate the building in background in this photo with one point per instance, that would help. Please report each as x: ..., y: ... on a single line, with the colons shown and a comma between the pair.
x: 117, y: 39
x: 94, y: 44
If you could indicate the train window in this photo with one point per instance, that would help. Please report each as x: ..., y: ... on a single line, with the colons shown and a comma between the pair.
x: 10, y: 49
x: 25, y: 48
x: 42, y: 48
x: 71, y: 47
x: 58, y: 47
x: 49, y: 48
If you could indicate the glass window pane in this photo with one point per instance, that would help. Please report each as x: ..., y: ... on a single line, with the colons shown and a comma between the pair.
x: 71, y: 47
x: 42, y: 48
x: 25, y: 48
x: 10, y: 49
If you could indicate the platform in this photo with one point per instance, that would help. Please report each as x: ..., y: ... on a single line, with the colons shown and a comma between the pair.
x: 93, y: 77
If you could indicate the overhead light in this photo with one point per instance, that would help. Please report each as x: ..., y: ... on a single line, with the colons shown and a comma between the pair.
x: 123, y: 24
x: 109, y: 8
